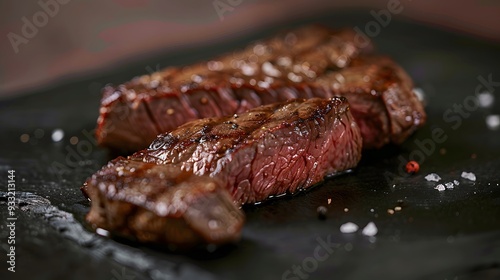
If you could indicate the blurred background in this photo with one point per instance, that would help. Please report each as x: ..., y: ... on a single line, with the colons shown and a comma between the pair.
x: 58, y: 41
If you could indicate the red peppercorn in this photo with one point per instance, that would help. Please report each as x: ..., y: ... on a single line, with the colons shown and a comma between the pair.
x: 412, y: 167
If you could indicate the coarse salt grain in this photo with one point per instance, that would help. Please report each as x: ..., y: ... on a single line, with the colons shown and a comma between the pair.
x: 57, y: 135
x: 440, y: 187
x: 485, y: 99
x: 433, y: 177
x: 449, y: 185
x: 469, y: 175
x: 456, y: 182
x: 370, y: 229
x: 102, y: 232
x: 349, y: 228
x: 493, y: 122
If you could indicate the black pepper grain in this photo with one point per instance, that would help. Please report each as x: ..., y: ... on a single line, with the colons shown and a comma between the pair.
x: 322, y: 211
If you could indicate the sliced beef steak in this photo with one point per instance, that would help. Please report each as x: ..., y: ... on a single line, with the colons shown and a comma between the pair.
x: 381, y: 97
x: 182, y: 185
x: 278, y: 69
x: 161, y: 204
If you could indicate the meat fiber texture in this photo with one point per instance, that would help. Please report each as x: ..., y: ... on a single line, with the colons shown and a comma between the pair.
x: 307, y: 62
x: 187, y: 187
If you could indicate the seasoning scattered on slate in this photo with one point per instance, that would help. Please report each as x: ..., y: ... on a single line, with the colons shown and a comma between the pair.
x: 322, y: 212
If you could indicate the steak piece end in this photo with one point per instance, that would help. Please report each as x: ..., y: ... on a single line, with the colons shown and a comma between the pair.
x: 161, y: 204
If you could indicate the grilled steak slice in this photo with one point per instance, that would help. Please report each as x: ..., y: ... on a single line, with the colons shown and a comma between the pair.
x: 381, y: 99
x: 161, y: 204
x: 267, y: 151
x: 278, y: 69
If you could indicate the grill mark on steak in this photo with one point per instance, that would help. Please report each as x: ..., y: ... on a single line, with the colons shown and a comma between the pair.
x: 396, y: 110
x: 271, y: 71
x: 212, y: 166
x: 161, y: 204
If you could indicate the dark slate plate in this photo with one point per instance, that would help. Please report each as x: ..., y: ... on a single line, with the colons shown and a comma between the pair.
x: 454, y: 234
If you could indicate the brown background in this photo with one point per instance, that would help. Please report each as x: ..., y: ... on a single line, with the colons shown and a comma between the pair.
x: 93, y: 35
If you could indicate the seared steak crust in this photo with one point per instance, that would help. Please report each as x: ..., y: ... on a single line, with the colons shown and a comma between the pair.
x: 281, y: 68
x: 246, y: 158
x: 161, y: 204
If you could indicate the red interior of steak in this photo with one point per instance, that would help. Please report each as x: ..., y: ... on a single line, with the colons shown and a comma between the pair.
x: 268, y: 150
x: 214, y: 165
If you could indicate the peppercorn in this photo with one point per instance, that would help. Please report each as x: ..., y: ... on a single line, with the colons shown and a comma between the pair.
x: 412, y: 167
